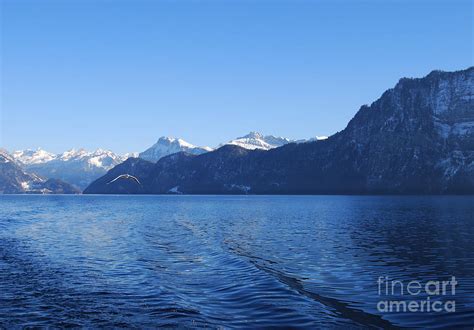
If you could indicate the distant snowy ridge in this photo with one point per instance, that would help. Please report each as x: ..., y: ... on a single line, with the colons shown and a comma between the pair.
x: 76, y: 166
x: 99, y: 158
x: 168, y: 145
x: 255, y: 140
x: 80, y: 167
x: 30, y: 156
x: 14, y: 179
x: 316, y: 138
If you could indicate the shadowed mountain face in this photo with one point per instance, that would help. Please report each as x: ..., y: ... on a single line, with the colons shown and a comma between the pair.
x: 417, y: 138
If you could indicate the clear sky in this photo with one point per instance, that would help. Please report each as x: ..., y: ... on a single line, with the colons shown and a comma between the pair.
x: 120, y: 74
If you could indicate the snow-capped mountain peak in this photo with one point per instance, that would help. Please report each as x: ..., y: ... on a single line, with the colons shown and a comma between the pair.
x: 90, y: 157
x: 253, y: 135
x: 29, y: 156
x: 178, y: 141
x: 73, y: 154
x: 256, y: 140
x: 104, y: 158
x: 76, y: 166
x: 169, y: 145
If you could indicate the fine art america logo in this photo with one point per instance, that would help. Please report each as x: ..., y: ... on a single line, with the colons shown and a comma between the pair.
x: 416, y: 296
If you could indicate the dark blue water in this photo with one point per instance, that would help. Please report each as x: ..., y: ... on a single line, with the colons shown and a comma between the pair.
x: 250, y: 261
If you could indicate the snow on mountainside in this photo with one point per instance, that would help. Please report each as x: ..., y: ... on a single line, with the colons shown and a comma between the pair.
x: 100, y: 158
x: 130, y: 155
x: 15, y: 180
x: 5, y: 157
x: 316, y: 138
x: 29, y: 156
x: 78, y: 167
x: 167, y: 145
x: 255, y: 140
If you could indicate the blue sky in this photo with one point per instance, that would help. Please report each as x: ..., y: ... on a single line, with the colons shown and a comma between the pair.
x: 120, y: 74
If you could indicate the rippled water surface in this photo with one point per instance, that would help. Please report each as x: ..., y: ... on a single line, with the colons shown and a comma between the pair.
x: 233, y: 261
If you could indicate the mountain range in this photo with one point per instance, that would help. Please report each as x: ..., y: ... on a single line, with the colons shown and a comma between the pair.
x: 168, y: 145
x: 15, y: 180
x: 418, y: 137
x: 81, y: 167
x: 77, y: 167
x: 255, y: 140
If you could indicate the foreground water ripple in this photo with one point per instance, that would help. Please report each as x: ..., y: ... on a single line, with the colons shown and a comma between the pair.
x: 233, y: 261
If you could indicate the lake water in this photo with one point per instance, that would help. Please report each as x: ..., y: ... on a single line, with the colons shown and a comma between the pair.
x: 233, y: 261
